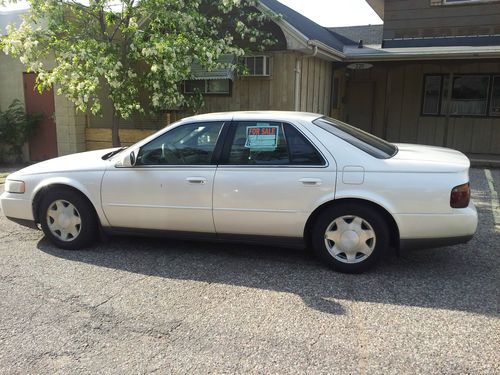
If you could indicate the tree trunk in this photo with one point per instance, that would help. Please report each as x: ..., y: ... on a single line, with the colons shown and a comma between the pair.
x: 115, y: 132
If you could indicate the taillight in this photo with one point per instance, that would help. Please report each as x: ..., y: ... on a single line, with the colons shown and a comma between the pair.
x: 460, y: 196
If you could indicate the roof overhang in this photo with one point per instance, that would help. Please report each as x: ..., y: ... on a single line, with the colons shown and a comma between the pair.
x: 378, y: 6
x: 297, y: 41
x: 376, y: 53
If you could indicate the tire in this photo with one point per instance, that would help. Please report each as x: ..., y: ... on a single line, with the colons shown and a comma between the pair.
x: 68, y: 220
x: 350, y: 237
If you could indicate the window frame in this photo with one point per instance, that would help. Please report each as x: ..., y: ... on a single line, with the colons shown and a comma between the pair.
x: 443, y: 76
x: 266, y: 65
x: 463, y: 2
x: 215, y: 154
x: 230, y: 136
x: 205, y: 92
x: 492, y: 83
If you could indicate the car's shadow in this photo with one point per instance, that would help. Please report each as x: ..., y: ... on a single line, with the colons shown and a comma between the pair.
x: 448, y: 278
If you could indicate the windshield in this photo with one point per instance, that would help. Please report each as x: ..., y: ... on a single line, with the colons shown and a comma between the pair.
x: 366, y: 142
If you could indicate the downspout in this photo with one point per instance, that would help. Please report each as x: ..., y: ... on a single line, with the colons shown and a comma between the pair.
x: 298, y: 74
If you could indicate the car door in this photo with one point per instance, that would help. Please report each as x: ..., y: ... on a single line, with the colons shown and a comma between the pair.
x: 270, y: 178
x: 170, y: 186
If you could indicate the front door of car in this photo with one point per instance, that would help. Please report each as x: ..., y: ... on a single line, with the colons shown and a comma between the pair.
x: 270, y: 178
x: 170, y: 186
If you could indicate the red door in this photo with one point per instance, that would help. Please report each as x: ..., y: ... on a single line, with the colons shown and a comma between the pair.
x: 43, y: 145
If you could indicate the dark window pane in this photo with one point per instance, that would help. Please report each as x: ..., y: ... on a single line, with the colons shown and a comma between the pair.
x: 191, y: 144
x: 259, y: 65
x: 432, y: 93
x: 250, y: 64
x: 218, y: 86
x: 302, y: 152
x: 259, y: 143
x: 495, y: 97
x: 366, y: 142
x: 469, y: 95
x: 194, y: 86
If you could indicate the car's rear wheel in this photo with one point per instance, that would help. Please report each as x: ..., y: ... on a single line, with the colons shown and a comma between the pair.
x: 67, y: 219
x: 350, y: 237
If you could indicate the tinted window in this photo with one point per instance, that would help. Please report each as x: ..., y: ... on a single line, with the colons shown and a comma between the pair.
x: 302, y: 152
x: 191, y: 144
x: 259, y: 143
x: 366, y: 142
x: 271, y: 143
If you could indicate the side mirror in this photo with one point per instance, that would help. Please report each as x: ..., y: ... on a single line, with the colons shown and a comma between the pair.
x: 128, y: 160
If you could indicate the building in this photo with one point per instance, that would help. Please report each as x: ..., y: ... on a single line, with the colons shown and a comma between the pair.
x: 430, y: 75
x: 433, y: 77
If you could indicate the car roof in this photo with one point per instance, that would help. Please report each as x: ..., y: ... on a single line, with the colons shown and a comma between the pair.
x: 254, y: 115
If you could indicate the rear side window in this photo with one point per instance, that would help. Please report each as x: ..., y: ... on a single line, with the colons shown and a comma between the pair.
x: 271, y: 143
x: 366, y: 142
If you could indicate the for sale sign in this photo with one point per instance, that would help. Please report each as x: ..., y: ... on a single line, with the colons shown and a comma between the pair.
x: 262, y: 137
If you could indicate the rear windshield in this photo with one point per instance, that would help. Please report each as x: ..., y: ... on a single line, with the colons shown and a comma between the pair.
x: 366, y: 142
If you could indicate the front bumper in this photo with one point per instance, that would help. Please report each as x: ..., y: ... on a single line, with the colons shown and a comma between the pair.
x: 16, y: 206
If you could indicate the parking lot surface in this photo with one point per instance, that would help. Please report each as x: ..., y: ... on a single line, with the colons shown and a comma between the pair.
x: 135, y: 305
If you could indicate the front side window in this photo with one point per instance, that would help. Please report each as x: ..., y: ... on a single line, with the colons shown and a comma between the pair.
x: 271, y: 143
x: 190, y: 144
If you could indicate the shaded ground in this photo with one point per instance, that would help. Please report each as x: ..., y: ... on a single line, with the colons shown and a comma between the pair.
x: 139, y: 305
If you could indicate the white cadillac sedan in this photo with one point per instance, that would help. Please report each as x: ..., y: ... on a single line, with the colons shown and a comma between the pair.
x: 283, y: 177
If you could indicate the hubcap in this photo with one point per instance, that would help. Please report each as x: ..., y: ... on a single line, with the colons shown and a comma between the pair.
x: 63, y: 220
x: 350, y: 239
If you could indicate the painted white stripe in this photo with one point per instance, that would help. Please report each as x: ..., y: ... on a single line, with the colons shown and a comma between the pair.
x: 495, y: 205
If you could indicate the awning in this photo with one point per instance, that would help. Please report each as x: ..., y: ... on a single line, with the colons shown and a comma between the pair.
x: 225, y: 72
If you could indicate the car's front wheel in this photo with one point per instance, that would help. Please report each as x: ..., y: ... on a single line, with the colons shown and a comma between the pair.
x: 67, y: 219
x: 350, y: 237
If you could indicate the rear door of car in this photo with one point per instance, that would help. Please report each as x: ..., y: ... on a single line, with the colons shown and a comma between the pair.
x: 170, y: 187
x: 271, y: 175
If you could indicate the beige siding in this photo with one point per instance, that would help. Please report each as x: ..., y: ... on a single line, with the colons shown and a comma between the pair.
x: 276, y: 92
x: 398, y: 100
x: 11, y: 80
x: 414, y: 18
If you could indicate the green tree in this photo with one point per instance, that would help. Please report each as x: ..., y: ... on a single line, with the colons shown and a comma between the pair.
x: 16, y: 127
x: 134, y: 52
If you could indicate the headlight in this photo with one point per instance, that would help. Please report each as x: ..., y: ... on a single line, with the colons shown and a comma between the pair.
x: 13, y: 186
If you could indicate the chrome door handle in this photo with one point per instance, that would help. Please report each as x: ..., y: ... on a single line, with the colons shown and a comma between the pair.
x: 311, y: 181
x: 197, y: 180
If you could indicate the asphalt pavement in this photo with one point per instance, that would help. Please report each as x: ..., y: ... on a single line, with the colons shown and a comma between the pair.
x: 134, y: 305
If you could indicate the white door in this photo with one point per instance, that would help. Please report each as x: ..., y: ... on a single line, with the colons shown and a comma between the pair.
x: 271, y: 178
x: 170, y: 187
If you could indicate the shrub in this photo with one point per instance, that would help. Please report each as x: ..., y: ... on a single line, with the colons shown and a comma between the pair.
x: 16, y: 127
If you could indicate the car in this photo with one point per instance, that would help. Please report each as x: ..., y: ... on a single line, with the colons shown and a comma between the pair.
x: 286, y: 178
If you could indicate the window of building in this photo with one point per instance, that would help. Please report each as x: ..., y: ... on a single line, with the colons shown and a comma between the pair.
x: 208, y: 86
x: 495, y: 97
x: 470, y: 95
x: 257, y: 65
x: 432, y: 95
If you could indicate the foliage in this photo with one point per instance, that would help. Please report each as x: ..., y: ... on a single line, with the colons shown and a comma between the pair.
x: 134, y: 52
x: 16, y: 127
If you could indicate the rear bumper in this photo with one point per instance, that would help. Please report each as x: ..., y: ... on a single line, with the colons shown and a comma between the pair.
x: 428, y: 231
